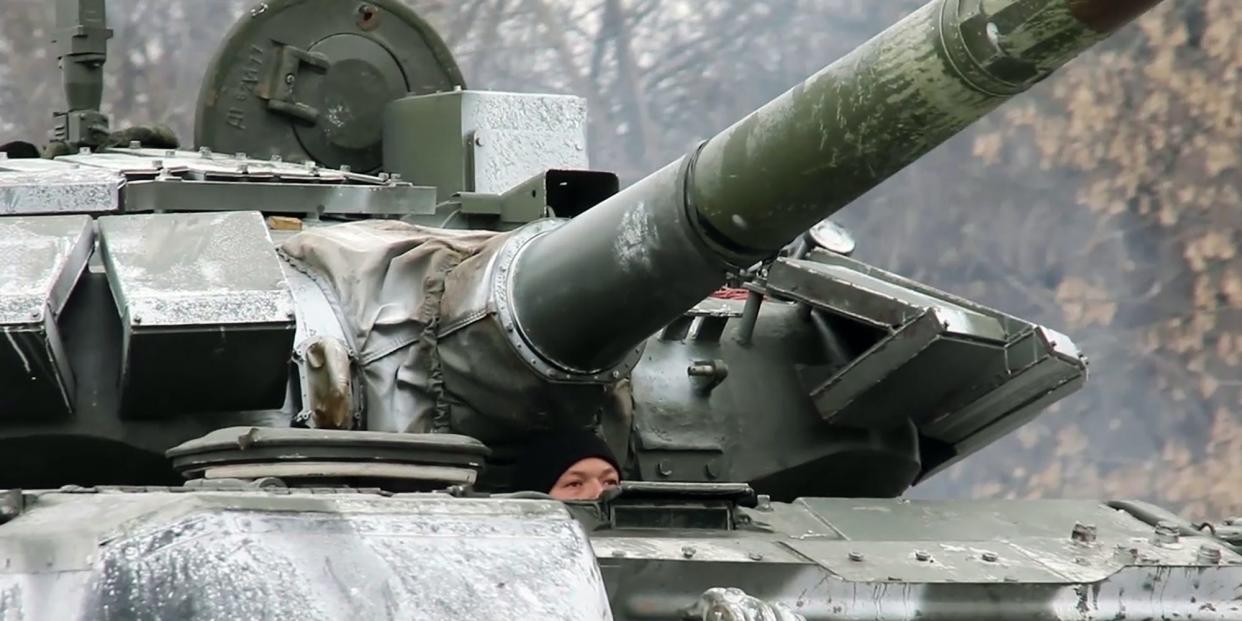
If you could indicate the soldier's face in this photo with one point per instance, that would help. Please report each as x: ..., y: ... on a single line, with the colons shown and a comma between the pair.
x: 585, y: 480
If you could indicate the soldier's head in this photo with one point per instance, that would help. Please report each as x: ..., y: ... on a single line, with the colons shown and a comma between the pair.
x: 567, y: 465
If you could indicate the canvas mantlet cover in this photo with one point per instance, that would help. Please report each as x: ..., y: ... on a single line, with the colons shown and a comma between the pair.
x: 417, y: 302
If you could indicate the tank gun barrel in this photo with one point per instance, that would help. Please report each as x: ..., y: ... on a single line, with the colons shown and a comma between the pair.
x: 587, y: 292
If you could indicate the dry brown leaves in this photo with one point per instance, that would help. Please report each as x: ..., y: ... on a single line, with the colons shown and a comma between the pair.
x: 1153, y: 128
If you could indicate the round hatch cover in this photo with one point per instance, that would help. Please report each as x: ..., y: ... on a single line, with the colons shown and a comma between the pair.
x: 309, y: 80
x: 322, y: 456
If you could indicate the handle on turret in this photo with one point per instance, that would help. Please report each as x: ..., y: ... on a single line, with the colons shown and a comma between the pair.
x: 587, y: 292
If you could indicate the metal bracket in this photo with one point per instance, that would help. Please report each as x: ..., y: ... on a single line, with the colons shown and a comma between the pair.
x: 559, y: 193
x: 331, y: 394
x: 706, y: 375
x: 283, y: 80
x: 327, y: 384
x: 710, y: 506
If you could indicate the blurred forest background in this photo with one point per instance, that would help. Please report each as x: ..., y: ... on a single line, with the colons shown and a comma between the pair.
x: 1106, y: 204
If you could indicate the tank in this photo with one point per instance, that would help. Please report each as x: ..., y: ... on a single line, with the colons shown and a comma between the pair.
x: 284, y: 371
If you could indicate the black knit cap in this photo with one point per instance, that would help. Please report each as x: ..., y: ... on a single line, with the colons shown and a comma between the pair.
x: 544, y: 460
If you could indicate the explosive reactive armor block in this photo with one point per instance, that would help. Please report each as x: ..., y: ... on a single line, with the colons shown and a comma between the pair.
x: 170, y: 180
x: 38, y: 186
x: 41, y: 259
x: 205, y: 309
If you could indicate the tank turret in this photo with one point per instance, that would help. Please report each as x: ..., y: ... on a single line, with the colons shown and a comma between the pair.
x: 401, y: 321
x: 284, y: 374
x: 573, y: 305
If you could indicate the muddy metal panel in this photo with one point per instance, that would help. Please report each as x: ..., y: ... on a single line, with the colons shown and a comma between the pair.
x: 896, y: 560
x: 163, y: 555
